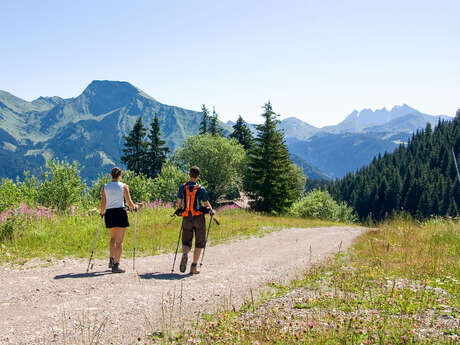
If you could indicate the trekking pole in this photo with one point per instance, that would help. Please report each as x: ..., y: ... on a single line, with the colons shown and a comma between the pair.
x: 207, y: 235
x: 177, y: 248
x: 134, y: 248
x: 94, y: 246
x: 173, y: 216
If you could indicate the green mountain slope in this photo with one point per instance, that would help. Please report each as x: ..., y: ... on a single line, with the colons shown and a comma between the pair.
x: 309, y: 170
x: 339, y: 154
x: 89, y: 128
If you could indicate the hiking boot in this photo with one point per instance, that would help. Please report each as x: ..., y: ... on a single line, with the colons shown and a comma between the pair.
x: 111, y: 262
x: 194, y: 269
x: 183, y: 262
x: 116, y: 268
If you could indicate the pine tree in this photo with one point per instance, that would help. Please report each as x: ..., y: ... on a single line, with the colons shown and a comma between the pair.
x: 204, y: 121
x: 135, y: 148
x: 156, y: 151
x: 268, y: 178
x: 421, y: 178
x: 214, y: 128
x: 242, y: 133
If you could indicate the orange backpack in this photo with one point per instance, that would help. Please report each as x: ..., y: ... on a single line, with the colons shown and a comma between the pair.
x: 189, y: 201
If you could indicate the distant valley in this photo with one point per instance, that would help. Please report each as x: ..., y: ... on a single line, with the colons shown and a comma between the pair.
x: 334, y: 151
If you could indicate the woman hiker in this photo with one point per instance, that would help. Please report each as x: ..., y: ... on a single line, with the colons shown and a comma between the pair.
x: 116, y: 218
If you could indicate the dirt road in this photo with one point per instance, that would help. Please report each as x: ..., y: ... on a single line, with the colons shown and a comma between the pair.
x: 62, y: 304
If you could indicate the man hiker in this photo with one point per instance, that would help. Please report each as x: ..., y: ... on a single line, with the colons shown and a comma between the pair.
x: 189, y: 199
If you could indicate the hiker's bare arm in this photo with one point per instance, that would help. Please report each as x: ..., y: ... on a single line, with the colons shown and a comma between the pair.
x: 208, y: 204
x: 128, y: 198
x: 103, y: 202
x: 179, y: 203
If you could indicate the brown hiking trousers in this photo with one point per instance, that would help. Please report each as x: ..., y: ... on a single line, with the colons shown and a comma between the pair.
x: 191, y: 225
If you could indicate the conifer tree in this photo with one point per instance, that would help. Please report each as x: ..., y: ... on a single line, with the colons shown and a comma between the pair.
x: 156, y: 151
x: 135, y: 148
x: 269, y: 177
x: 214, y: 128
x: 204, y: 124
x: 419, y: 178
x: 242, y: 133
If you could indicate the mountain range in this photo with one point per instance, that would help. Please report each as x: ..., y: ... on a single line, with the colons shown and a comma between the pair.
x: 354, y: 142
x: 90, y: 129
x: 333, y: 151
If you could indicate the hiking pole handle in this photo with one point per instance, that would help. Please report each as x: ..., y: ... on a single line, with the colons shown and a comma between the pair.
x: 173, y: 216
x: 94, y: 246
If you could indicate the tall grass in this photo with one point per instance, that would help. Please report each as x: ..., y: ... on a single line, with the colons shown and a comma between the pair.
x: 397, y: 285
x: 72, y: 235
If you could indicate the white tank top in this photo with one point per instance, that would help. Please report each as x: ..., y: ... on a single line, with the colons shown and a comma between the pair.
x: 114, y: 194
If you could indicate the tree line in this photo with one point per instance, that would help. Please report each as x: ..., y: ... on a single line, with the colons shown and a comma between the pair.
x: 264, y: 171
x: 420, y: 178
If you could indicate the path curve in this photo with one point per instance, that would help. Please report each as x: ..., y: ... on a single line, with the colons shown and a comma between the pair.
x: 48, y: 304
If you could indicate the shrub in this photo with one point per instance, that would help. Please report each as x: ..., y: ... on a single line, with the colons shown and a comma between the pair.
x: 221, y: 160
x: 29, y: 189
x: 62, y: 185
x: 10, y: 224
x: 13, y: 220
x: 10, y: 194
x: 94, y: 194
x: 319, y: 204
x: 140, y: 187
x: 166, y: 184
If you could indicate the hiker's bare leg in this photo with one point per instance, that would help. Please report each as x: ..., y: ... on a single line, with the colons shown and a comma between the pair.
x: 112, y: 246
x: 196, y: 255
x: 118, y: 235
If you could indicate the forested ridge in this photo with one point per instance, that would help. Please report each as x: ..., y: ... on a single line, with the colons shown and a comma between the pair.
x: 419, y: 178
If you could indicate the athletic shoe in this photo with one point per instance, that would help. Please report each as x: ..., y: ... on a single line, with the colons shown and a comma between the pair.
x: 111, y: 262
x: 194, y: 269
x: 116, y: 268
x: 183, y: 262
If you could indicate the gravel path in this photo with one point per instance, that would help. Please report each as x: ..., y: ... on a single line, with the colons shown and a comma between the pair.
x: 62, y: 304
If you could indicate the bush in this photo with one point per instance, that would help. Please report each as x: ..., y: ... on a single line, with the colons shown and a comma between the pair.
x: 10, y: 224
x: 14, y: 220
x: 221, y: 160
x: 140, y: 187
x: 320, y: 205
x: 166, y: 184
x: 94, y: 194
x: 10, y: 194
x: 62, y: 186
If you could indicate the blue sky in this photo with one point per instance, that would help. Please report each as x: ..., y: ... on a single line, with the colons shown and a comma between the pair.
x: 316, y: 60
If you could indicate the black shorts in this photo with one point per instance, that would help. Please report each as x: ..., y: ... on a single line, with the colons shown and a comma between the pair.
x: 197, y: 225
x: 116, y: 218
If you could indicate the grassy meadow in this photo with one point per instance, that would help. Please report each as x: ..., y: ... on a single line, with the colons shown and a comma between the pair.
x: 72, y: 235
x: 399, y: 284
